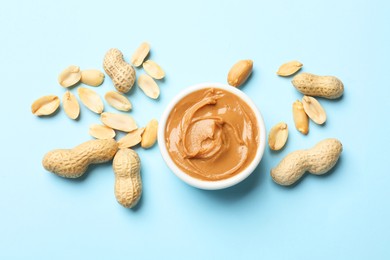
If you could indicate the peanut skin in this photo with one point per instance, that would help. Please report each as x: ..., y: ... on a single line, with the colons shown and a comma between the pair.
x: 321, y: 86
x: 128, y: 185
x: 317, y: 160
x: 73, y: 163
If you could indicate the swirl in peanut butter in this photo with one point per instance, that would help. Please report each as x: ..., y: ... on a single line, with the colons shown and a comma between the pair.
x: 212, y: 134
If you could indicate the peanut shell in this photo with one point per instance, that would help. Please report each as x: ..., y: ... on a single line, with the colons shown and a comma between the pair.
x: 319, y: 86
x: 128, y: 184
x: 317, y: 160
x: 121, y: 73
x: 73, y: 163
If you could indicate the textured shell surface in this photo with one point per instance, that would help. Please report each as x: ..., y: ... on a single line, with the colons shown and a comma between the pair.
x: 317, y: 160
x: 319, y: 86
x: 73, y: 163
x: 121, y: 73
x: 128, y: 184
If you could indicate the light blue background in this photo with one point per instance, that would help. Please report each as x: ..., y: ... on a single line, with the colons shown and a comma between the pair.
x: 343, y: 215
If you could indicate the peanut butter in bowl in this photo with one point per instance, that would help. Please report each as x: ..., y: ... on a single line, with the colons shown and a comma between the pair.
x: 212, y: 136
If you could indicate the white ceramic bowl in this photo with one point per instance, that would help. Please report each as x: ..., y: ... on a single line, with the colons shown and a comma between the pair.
x: 202, y: 184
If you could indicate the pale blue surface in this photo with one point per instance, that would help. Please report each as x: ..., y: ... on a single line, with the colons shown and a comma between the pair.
x: 344, y: 215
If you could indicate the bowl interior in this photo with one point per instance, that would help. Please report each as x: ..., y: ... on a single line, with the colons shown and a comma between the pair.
x: 203, y: 184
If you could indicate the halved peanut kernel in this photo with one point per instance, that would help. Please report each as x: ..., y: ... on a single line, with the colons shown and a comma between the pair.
x: 278, y: 135
x: 69, y: 76
x: 119, y: 122
x: 289, y: 68
x: 91, y: 100
x: 153, y: 69
x: 71, y: 105
x: 45, y: 105
x: 117, y: 101
x: 131, y: 139
x: 140, y: 54
x: 300, y: 118
x: 92, y: 77
x: 148, y: 86
x: 101, y: 131
x: 314, y: 110
x: 240, y: 72
x: 149, y: 137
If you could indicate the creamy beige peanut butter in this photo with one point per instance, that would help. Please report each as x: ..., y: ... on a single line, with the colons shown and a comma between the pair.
x: 212, y: 134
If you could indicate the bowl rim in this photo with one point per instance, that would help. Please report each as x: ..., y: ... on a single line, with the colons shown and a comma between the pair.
x: 204, y: 184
